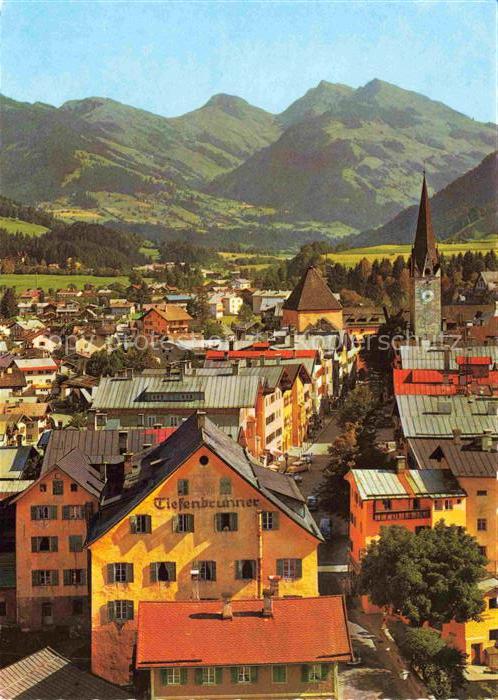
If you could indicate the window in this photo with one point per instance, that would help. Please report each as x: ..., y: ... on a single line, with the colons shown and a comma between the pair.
x: 226, y: 522
x: 244, y: 674
x: 120, y: 573
x: 482, y: 493
x: 73, y: 512
x: 483, y: 551
x: 78, y: 606
x: 225, y: 487
x: 45, y: 577
x: 182, y: 487
x: 43, y: 488
x: 387, y: 504
x: 44, y: 544
x: 43, y: 512
x: 3, y: 608
x: 57, y: 488
x: 448, y: 504
x: 74, y: 577
x: 289, y: 568
x: 416, y: 504
x: 162, y: 571
x: 204, y: 460
x: 245, y: 569
x: 493, y: 635
x: 493, y: 603
x: 74, y: 487
x: 183, y: 522
x: 313, y: 673
x: 279, y: 674
x: 270, y: 520
x: 209, y: 675
x: 207, y: 570
x: 174, y: 676
x: 438, y: 505
x: 75, y: 543
x: 140, y: 524
x: 120, y: 610
x: 482, y: 524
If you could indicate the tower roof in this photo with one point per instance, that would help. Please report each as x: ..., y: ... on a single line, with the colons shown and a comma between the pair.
x: 424, y: 251
x: 312, y: 293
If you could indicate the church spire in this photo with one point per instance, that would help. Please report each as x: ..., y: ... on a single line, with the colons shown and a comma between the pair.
x: 425, y: 256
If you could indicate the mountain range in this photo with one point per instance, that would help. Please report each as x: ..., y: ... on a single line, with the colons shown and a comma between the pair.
x: 336, y: 162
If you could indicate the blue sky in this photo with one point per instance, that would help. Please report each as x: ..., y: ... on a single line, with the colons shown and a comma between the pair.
x: 170, y: 57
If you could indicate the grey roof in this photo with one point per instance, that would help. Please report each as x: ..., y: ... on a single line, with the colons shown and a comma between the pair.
x: 385, y: 483
x: 463, y: 458
x: 158, y: 463
x: 382, y: 483
x: 434, y: 482
x: 13, y: 461
x: 14, y: 485
x: 46, y: 675
x: 434, y: 416
x: 418, y: 357
x: 215, y: 392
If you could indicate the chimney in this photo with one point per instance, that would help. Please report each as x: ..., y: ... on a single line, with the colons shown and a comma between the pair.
x: 444, y: 407
x: 457, y: 434
x: 487, y: 440
x: 230, y: 345
x: 262, y: 361
x: 235, y: 368
x: 201, y: 419
x: 267, y: 603
x: 292, y: 338
x: 400, y: 463
x: 492, y: 408
x: 227, y: 612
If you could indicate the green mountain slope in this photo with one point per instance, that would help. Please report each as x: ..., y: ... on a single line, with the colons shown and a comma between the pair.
x: 465, y: 209
x: 360, y: 162
x: 316, y: 101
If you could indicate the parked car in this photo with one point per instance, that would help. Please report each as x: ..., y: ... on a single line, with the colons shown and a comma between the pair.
x: 308, y: 458
x: 326, y: 527
x: 312, y: 502
x: 297, y: 467
x: 297, y: 478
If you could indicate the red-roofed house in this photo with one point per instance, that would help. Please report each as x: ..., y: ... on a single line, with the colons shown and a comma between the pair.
x: 244, y: 648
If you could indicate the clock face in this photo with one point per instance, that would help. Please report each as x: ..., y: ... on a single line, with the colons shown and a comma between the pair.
x: 426, y: 295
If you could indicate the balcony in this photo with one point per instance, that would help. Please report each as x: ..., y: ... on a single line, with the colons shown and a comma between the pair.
x: 403, y: 514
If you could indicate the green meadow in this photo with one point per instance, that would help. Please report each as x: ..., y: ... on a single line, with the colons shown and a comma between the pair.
x: 19, y: 226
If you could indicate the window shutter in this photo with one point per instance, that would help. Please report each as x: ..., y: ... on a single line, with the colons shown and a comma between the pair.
x: 234, y: 672
x: 174, y: 523
x: 171, y: 567
x: 110, y: 574
x: 153, y: 574
x: 254, y: 674
x: 148, y: 524
x: 219, y: 675
x: 67, y: 577
x: 34, y: 513
x: 83, y: 577
x: 325, y: 671
x: 54, y: 544
x: 280, y: 567
x: 54, y: 578
x: 53, y: 512
x: 65, y: 512
x: 198, y: 676
x: 183, y: 676
x: 304, y: 673
x: 190, y: 518
x: 213, y: 569
x: 133, y: 524
x: 35, y: 578
x: 34, y: 544
x: 217, y: 522
x: 88, y: 510
x: 299, y: 568
x: 129, y: 610
x: 275, y: 520
x: 111, y: 610
x: 234, y: 520
x: 164, y: 676
x: 129, y: 573
x: 238, y: 569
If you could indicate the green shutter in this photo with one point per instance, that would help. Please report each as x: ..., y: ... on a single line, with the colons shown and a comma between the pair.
x: 111, y: 610
x: 198, y: 676
x: 275, y: 520
x: 34, y: 513
x: 65, y: 512
x: 34, y: 544
x: 129, y: 573
x: 133, y: 524
x: 234, y: 521
x: 219, y: 676
x: 164, y: 676
x: 174, y: 523
x: 129, y: 610
x: 213, y: 569
x: 304, y: 673
x: 234, y: 672
x: 238, y: 569
x: 190, y: 522
x: 148, y: 524
x: 54, y: 544
x: 280, y: 567
x: 171, y: 567
x: 35, y: 578
x: 153, y: 575
x: 183, y: 676
x: 299, y: 568
x: 67, y: 577
x: 325, y: 670
x: 83, y: 577
x: 217, y: 522
x: 52, y: 512
x: 54, y: 577
x: 254, y: 674
x: 110, y: 574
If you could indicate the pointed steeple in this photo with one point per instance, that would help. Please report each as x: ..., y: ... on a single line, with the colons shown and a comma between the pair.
x: 425, y: 256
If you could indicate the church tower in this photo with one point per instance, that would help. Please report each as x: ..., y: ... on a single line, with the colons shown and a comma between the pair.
x: 425, y: 275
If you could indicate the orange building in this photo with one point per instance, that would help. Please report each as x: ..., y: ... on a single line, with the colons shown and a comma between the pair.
x: 312, y: 302
x: 195, y: 518
x: 245, y: 648
x: 51, y: 528
x: 165, y: 319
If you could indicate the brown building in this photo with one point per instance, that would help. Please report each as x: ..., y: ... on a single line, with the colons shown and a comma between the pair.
x: 167, y: 319
x: 51, y: 528
x: 312, y: 302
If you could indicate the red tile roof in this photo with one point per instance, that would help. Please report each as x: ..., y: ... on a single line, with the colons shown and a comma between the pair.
x: 463, y: 360
x: 193, y: 633
x: 426, y: 382
x: 254, y: 354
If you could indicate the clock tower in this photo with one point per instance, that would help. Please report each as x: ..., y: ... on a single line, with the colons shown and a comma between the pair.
x: 425, y: 275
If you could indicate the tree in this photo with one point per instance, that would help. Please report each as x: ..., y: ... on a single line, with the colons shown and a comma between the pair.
x: 78, y: 420
x: 334, y: 490
x: 429, y: 577
x: 245, y: 314
x: 8, y: 304
x: 358, y: 404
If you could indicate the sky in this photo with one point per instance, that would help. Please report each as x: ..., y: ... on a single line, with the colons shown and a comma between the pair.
x: 171, y: 57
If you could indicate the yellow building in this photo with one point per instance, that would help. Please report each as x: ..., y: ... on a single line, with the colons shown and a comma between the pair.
x: 195, y: 519
x: 312, y: 302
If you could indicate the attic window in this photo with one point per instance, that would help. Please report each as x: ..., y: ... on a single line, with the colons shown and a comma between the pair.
x: 204, y: 460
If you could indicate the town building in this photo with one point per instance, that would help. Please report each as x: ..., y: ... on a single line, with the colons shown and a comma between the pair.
x: 311, y: 302
x: 244, y: 648
x: 195, y: 517
x: 165, y: 319
x: 425, y: 275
